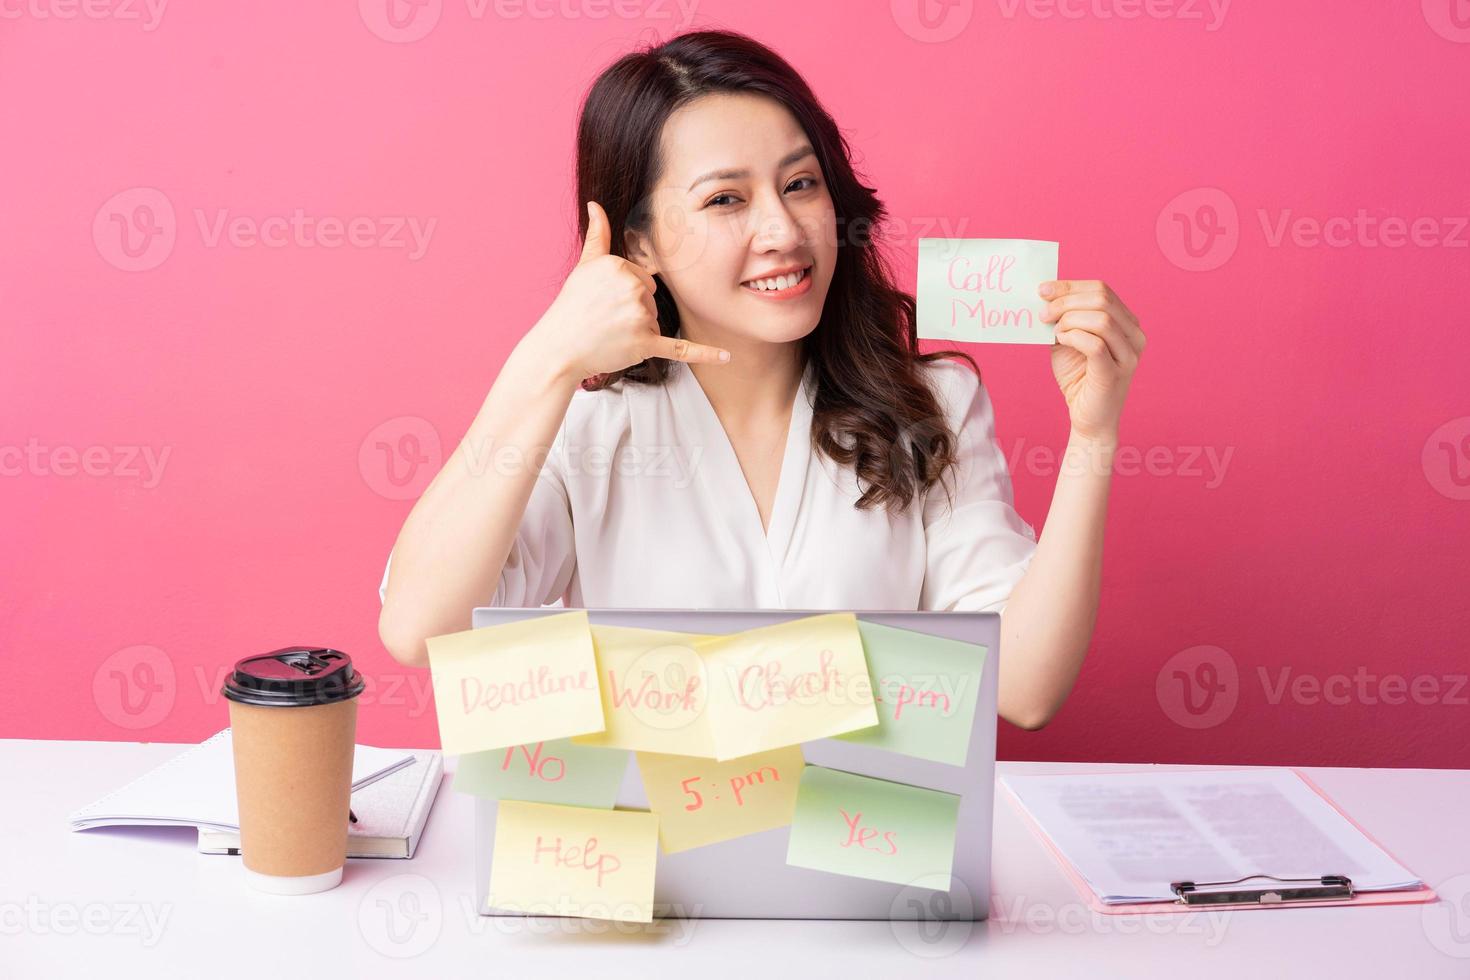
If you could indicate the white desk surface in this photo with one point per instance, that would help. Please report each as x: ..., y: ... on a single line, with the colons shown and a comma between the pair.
x: 120, y: 903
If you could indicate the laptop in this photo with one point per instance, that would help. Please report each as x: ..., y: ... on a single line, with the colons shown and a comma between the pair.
x: 748, y: 877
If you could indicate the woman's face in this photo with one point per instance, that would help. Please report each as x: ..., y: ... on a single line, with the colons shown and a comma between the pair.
x: 741, y: 197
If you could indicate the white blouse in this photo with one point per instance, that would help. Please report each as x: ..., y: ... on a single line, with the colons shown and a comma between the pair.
x: 642, y: 503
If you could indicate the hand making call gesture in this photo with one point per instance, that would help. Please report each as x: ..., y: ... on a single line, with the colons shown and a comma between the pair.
x: 604, y: 319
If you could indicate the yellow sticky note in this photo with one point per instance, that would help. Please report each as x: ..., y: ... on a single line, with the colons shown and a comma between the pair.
x: 655, y: 691
x: 573, y: 861
x: 701, y: 801
x: 529, y: 681
x: 792, y: 682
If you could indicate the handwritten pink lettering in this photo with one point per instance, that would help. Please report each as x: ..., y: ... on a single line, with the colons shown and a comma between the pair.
x: 919, y: 698
x: 762, y: 686
x: 993, y: 278
x: 648, y: 696
x: 540, y: 768
x: 581, y: 858
x: 989, y: 316
x: 494, y: 695
x: 737, y: 784
x: 866, y: 838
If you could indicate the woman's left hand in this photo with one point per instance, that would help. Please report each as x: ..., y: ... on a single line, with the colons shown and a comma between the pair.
x: 1097, y: 347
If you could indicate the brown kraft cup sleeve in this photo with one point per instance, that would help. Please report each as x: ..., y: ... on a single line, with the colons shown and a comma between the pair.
x: 293, y: 779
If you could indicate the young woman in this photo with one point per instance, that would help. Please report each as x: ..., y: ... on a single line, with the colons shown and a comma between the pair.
x: 725, y: 406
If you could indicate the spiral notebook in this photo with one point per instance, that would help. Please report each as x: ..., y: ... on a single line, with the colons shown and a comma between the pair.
x: 1174, y: 840
x: 197, y: 788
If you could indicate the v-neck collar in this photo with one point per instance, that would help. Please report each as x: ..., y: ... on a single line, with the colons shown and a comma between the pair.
x: 694, y: 404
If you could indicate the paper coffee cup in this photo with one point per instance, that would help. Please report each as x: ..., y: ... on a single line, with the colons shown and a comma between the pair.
x: 293, y: 715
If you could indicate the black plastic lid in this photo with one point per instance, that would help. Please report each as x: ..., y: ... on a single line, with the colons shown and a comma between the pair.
x: 294, y: 677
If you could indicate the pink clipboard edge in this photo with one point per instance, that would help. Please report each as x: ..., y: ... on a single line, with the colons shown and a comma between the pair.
x: 1079, y: 884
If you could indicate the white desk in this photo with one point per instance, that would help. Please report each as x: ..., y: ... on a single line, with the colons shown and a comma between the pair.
x: 144, y: 903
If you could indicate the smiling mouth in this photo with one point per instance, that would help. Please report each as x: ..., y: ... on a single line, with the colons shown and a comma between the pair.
x: 778, y: 284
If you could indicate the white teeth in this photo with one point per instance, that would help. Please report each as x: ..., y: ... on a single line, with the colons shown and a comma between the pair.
x: 779, y: 282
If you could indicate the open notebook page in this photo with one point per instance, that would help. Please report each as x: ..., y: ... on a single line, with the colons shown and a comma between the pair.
x: 197, y: 787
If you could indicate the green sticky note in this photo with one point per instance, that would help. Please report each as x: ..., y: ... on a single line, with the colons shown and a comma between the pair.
x: 871, y: 828
x: 560, y: 771
x: 926, y: 688
x: 984, y: 289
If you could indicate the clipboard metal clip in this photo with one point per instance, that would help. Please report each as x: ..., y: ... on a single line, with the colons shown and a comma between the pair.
x: 1328, y: 888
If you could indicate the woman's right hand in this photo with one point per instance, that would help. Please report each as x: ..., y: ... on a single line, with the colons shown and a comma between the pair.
x: 604, y: 318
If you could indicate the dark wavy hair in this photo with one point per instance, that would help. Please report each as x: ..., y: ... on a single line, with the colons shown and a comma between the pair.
x: 873, y: 410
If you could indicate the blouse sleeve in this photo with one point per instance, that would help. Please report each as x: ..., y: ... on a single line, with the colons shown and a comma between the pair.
x: 543, y: 555
x: 978, y: 548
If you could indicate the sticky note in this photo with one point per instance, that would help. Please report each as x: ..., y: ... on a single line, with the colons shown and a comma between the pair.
x: 788, y: 683
x: 573, y: 861
x: 871, y: 828
x: 926, y: 688
x: 655, y: 691
x: 544, y: 772
x: 701, y: 801
x: 528, y: 681
x: 984, y: 289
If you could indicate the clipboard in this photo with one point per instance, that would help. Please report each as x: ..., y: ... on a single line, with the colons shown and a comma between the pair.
x: 1194, y: 896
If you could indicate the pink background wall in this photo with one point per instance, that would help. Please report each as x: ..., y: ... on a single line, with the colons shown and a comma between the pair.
x: 191, y: 426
